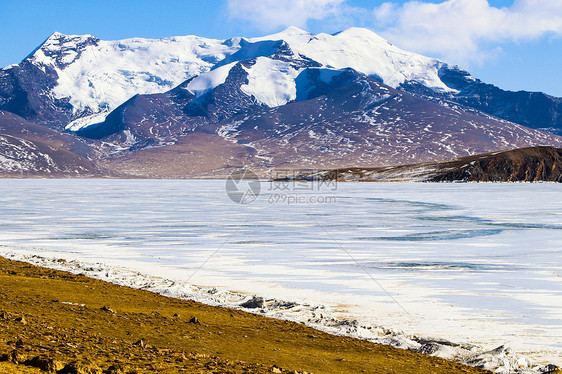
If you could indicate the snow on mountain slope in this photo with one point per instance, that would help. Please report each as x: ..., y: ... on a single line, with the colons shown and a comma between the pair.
x: 99, y: 75
x: 366, y: 52
x: 271, y: 82
x: 203, y: 83
x: 332, y: 118
x: 94, y: 76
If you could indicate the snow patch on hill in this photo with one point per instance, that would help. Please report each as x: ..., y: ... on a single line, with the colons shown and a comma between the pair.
x: 86, y: 121
x: 271, y: 82
x: 208, y: 81
x: 292, y: 35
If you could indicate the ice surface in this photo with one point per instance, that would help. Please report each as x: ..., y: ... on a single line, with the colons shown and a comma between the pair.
x: 475, y: 264
x: 86, y: 121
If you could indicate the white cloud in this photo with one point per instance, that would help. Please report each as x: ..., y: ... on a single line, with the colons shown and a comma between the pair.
x: 268, y: 15
x: 459, y: 31
x: 462, y: 31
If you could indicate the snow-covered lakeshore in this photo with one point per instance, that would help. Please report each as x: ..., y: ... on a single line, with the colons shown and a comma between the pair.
x: 475, y: 264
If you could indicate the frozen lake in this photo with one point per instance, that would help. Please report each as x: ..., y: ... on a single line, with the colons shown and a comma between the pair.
x: 471, y: 263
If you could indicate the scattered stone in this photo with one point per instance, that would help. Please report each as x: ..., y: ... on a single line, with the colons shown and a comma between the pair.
x: 4, y: 315
x: 139, y: 343
x: 115, y: 369
x: 18, y: 357
x: 255, y: 302
x: 62, y: 261
x: 81, y: 368
x: 19, y: 343
x: 107, y: 309
x: 550, y: 368
x: 194, y: 320
x: 21, y: 320
x: 46, y: 364
x: 429, y: 348
x: 275, y: 369
x: 176, y: 315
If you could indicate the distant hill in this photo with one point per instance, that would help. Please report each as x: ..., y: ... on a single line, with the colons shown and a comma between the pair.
x: 27, y: 149
x: 533, y: 164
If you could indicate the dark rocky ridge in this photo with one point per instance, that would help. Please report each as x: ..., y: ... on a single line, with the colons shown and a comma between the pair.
x: 534, y: 164
x: 520, y: 165
x: 25, y: 91
x: 536, y: 110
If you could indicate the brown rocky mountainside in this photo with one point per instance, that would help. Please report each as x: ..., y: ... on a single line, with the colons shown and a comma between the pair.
x: 353, y: 120
x: 531, y: 164
x: 28, y: 149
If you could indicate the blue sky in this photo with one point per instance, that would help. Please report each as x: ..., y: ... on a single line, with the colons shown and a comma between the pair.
x: 515, y: 44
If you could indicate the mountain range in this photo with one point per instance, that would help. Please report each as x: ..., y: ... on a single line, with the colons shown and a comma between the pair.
x: 195, y: 107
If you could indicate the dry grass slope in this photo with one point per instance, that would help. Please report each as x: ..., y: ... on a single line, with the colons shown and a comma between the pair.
x: 65, y: 323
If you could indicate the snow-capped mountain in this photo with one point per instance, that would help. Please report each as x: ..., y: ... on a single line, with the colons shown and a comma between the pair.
x: 88, y: 77
x: 291, y: 99
x: 332, y: 117
x: 84, y: 78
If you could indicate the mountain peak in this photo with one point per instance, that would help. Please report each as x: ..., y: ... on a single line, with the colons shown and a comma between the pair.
x: 51, y: 39
x: 293, y: 30
x: 290, y: 34
x: 59, y: 41
x: 361, y: 32
x: 56, y: 35
x: 291, y: 99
